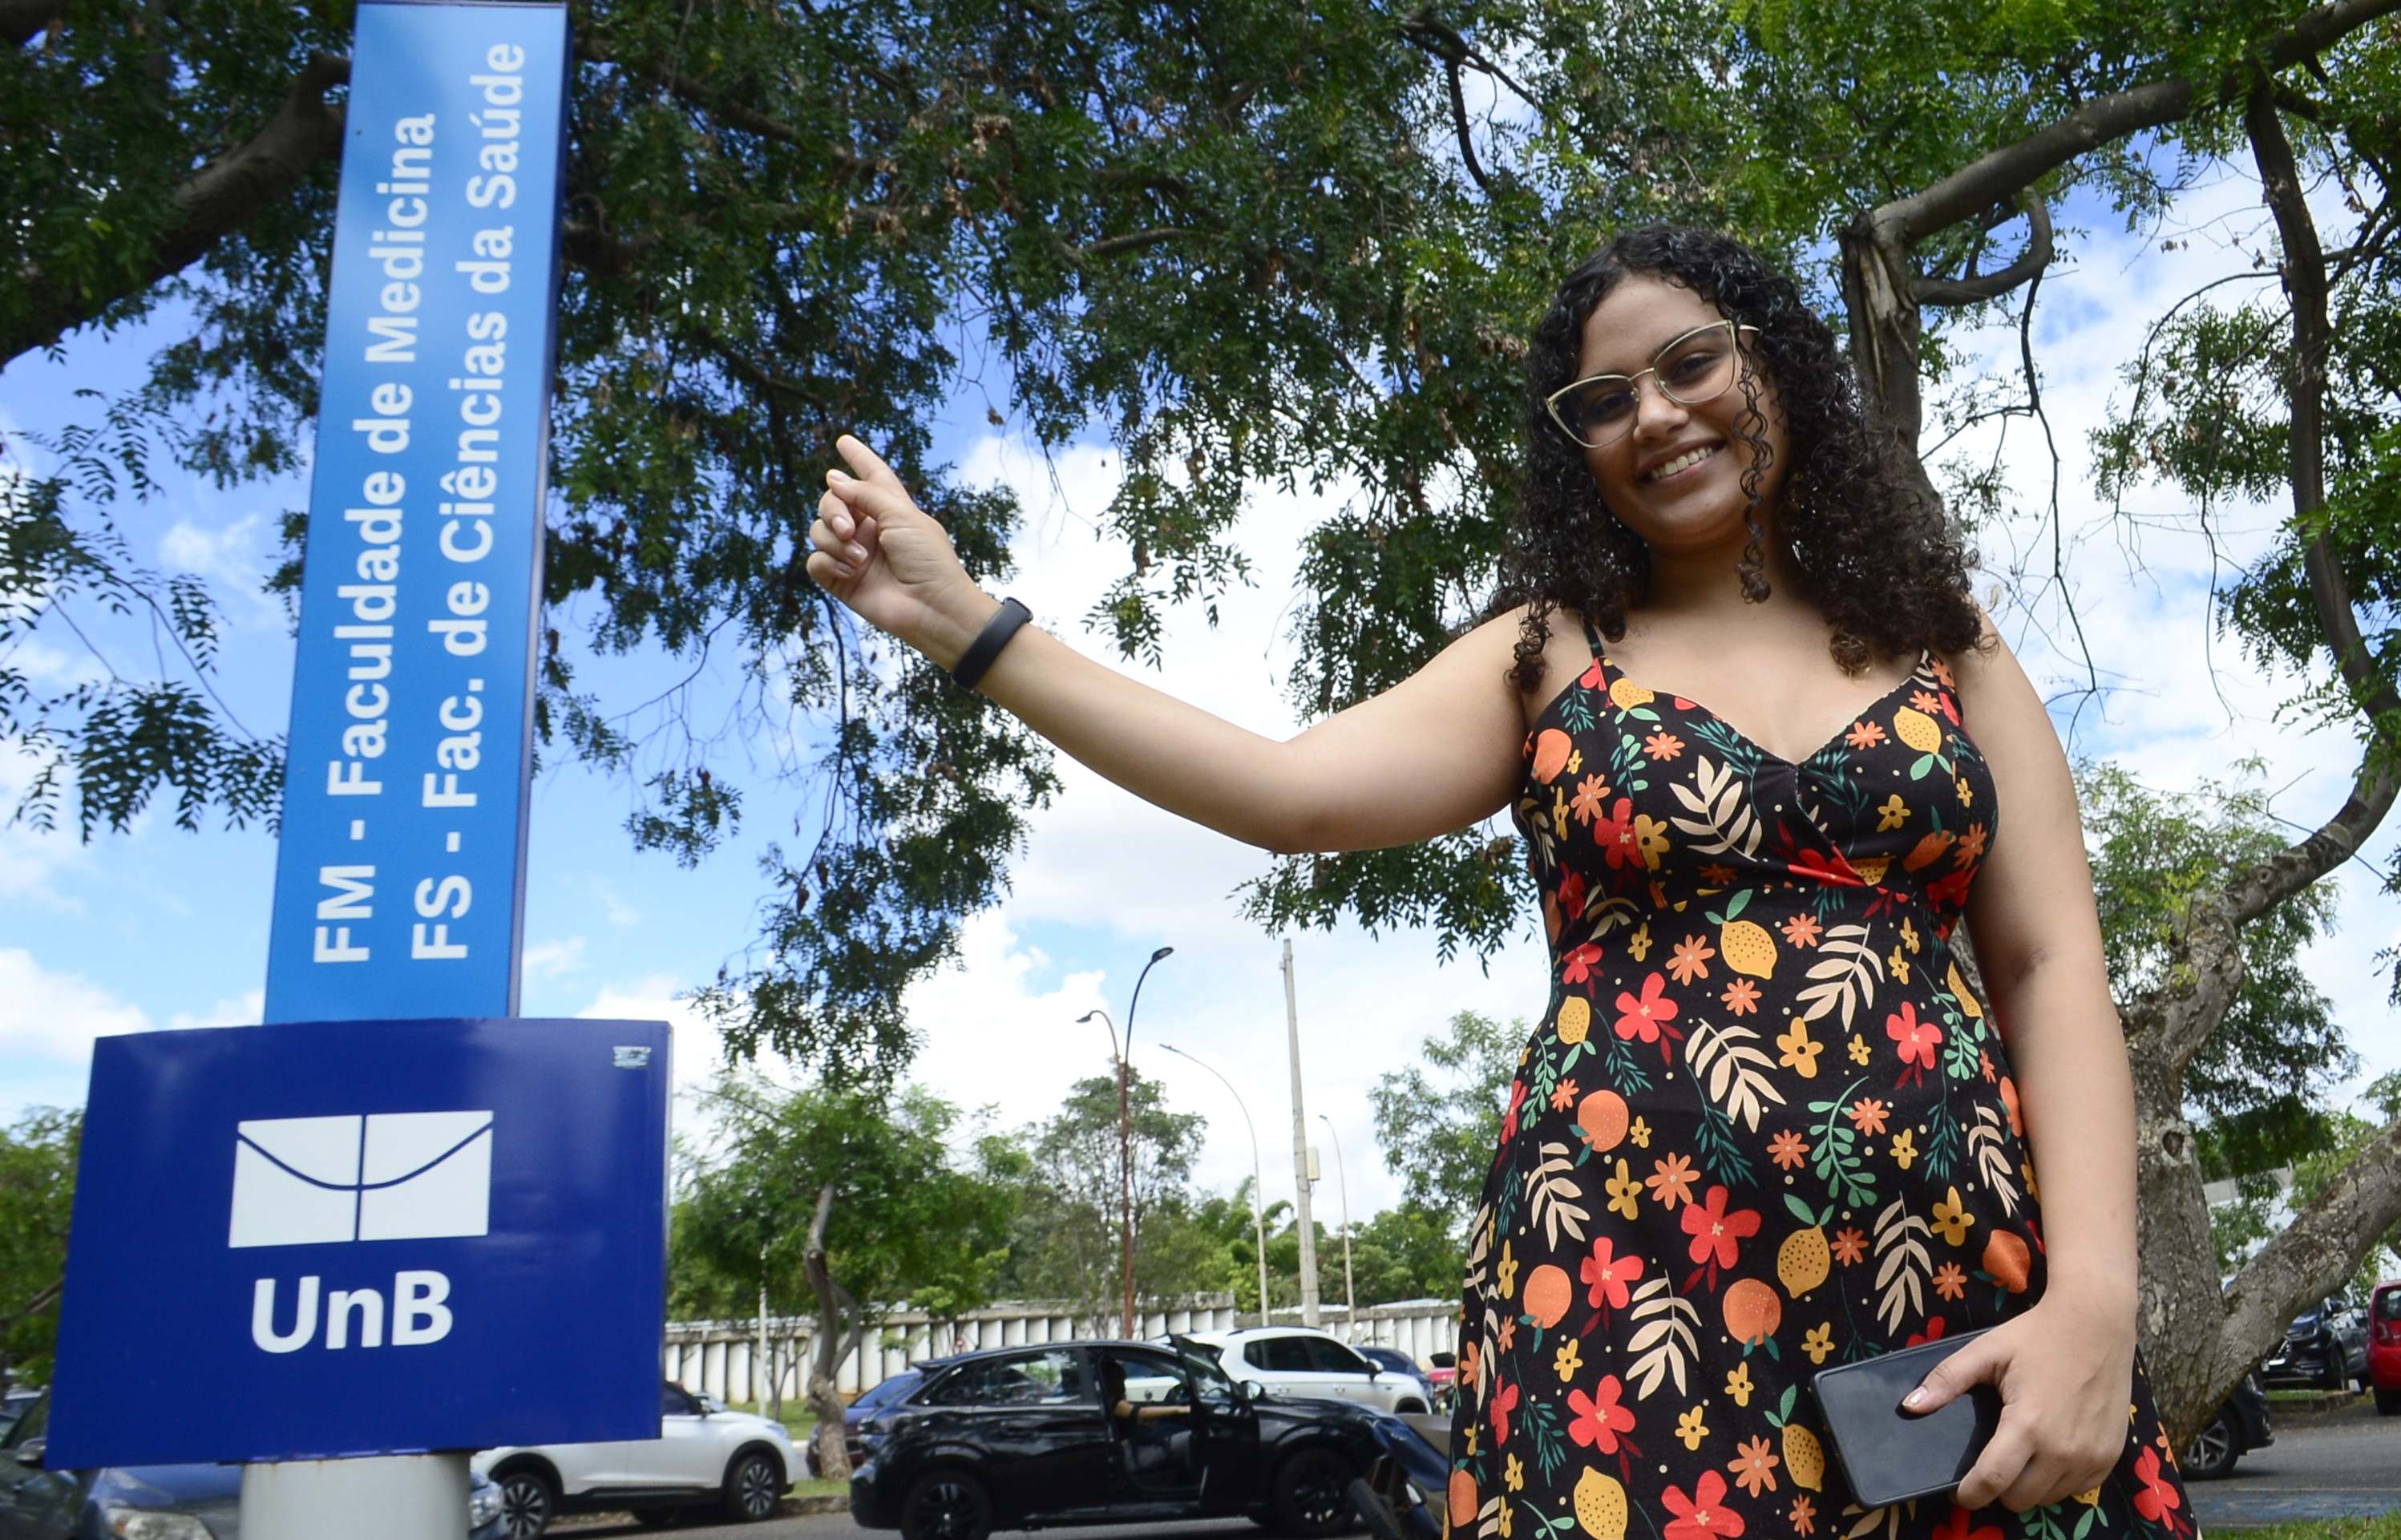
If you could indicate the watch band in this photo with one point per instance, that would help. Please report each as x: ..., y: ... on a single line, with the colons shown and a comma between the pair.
x: 988, y: 642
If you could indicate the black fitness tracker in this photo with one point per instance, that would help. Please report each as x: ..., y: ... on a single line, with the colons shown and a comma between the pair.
x: 988, y: 642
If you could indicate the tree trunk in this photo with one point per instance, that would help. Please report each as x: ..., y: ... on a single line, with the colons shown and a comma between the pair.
x: 2197, y: 1342
x: 838, y: 1335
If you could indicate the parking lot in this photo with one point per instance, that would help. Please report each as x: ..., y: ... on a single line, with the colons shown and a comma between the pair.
x: 2321, y: 1467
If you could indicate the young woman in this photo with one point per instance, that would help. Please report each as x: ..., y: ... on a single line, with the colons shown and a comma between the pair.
x: 1767, y: 1124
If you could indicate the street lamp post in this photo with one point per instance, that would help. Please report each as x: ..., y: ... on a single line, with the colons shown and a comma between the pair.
x: 1125, y: 1131
x: 1259, y: 1182
x: 1349, y: 1298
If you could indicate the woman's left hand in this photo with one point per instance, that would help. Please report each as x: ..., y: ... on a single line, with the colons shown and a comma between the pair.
x: 2066, y: 1371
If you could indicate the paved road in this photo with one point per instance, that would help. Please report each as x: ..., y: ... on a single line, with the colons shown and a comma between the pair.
x: 2319, y: 1467
x: 2339, y: 1465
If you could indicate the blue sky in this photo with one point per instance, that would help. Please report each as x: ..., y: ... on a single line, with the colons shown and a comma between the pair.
x: 157, y: 927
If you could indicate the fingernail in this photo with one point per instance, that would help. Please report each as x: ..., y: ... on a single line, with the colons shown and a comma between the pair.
x: 855, y: 553
x: 1916, y: 1398
x: 837, y: 475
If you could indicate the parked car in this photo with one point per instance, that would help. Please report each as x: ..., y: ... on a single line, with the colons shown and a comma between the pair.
x: 13, y: 1402
x: 150, y: 1501
x: 1104, y: 1432
x: 1399, y: 1363
x: 1442, y: 1369
x: 1301, y: 1361
x: 2240, y: 1427
x: 705, y: 1454
x: 885, y: 1393
x: 2385, y: 1346
x: 2325, y: 1346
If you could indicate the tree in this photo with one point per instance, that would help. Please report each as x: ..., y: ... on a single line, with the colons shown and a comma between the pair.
x: 37, y: 1170
x: 1250, y: 253
x: 1439, y: 1137
x: 841, y: 1204
x: 1064, y: 1243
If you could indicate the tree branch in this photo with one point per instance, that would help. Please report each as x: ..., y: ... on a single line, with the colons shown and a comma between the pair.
x: 838, y: 160
x: 220, y: 198
x: 2030, y: 264
x: 1997, y: 177
x: 2316, y: 1252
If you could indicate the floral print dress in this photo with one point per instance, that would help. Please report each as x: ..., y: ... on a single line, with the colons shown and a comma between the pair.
x: 1765, y: 1126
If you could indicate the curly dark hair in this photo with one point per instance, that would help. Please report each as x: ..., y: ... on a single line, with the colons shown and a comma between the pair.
x: 1878, y: 558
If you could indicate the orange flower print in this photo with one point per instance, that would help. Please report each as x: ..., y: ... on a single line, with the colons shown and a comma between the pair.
x: 1741, y: 997
x: 1867, y: 1114
x: 1754, y: 1470
x: 1717, y: 874
x: 1971, y: 846
x: 1864, y: 735
x: 1850, y: 1245
x: 1787, y: 1149
x: 1564, y: 1097
x: 1927, y: 701
x: 1942, y: 671
x: 1801, y: 930
x: 1671, y: 1181
x: 1591, y: 792
x: 1804, y: 1516
x: 1948, y: 1281
x: 1663, y: 745
x: 1692, y: 959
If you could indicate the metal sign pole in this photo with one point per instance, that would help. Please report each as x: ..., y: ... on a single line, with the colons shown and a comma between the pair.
x: 398, y: 889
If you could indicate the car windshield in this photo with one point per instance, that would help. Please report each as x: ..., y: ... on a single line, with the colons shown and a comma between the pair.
x: 1209, y: 1381
x: 2388, y: 1305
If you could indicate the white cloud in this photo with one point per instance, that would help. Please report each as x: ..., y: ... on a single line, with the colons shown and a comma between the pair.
x: 554, y: 959
x: 55, y: 1016
x: 247, y: 1008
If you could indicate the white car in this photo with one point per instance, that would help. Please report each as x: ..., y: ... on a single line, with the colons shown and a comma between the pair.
x: 1302, y: 1361
x: 703, y: 1454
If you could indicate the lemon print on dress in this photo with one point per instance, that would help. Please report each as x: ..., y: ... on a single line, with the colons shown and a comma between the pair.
x: 1575, y: 1019
x: 1627, y: 694
x: 1917, y: 730
x: 1805, y: 1259
x: 1600, y: 1506
x: 1745, y: 944
x: 1804, y: 1458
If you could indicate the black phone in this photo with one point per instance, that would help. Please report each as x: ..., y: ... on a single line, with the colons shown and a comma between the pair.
x: 1889, y: 1455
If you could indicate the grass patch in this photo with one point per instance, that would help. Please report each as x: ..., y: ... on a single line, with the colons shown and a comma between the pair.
x: 2383, y: 1527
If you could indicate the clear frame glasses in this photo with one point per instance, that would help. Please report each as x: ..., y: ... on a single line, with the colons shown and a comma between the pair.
x: 1697, y: 366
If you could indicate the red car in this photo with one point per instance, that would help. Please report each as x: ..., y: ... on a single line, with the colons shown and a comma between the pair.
x: 2385, y: 1345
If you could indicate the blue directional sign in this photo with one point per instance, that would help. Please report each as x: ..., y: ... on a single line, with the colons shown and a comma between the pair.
x: 315, y: 1240
x: 403, y: 807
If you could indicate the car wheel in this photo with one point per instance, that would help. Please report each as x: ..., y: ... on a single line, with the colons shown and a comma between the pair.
x: 2214, y: 1450
x: 2387, y: 1402
x: 754, y: 1488
x: 658, y: 1519
x: 528, y: 1505
x: 1311, y: 1494
x: 946, y: 1504
x: 1412, y: 1406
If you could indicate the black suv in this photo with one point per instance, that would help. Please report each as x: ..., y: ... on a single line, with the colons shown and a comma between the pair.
x: 1101, y: 1433
x: 2325, y: 1346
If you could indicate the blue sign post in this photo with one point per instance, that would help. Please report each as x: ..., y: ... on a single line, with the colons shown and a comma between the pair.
x: 346, y: 1234
x: 405, y: 787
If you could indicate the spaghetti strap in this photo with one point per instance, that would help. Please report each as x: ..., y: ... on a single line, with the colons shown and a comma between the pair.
x: 1593, y: 637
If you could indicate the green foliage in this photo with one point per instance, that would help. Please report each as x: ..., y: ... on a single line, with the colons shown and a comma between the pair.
x: 1067, y: 1241
x: 37, y: 1170
x: 2279, y: 1050
x: 908, y: 1227
x: 1259, y: 246
x: 2315, y: 1170
x: 1437, y: 1132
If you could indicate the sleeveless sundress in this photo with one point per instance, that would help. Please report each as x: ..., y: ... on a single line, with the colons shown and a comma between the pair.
x: 1765, y: 1126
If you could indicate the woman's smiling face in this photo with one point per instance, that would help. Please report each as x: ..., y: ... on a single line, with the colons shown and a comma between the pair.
x: 1650, y: 477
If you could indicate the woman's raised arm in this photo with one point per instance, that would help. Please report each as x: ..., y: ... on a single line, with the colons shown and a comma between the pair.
x: 1437, y: 752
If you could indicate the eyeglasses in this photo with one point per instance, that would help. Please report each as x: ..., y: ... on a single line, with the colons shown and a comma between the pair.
x: 1697, y: 366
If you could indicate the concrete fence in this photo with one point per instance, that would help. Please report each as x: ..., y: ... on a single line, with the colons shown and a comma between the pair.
x: 735, y: 1361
